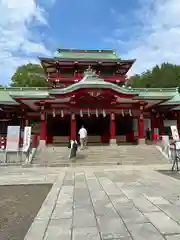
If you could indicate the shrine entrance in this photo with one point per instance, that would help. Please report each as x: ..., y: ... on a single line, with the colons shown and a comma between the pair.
x: 124, y: 128
x: 97, y: 128
x: 58, y: 129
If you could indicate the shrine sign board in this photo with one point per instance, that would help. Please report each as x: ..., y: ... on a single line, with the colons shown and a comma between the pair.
x: 175, y: 135
x: 13, y: 135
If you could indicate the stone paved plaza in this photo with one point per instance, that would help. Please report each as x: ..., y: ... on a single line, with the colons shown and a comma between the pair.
x: 120, y: 202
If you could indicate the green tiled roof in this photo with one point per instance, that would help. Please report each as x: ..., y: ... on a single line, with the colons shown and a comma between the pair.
x: 156, y: 93
x: 173, y: 101
x: 38, y: 94
x: 6, y: 99
x: 86, y: 54
x: 8, y: 95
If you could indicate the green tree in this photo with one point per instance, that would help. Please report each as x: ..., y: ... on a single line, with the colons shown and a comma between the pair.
x: 164, y: 76
x: 30, y: 75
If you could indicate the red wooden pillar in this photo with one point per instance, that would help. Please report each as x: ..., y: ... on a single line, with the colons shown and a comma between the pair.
x: 73, y: 127
x: 161, y: 125
x: 22, y: 123
x: 43, y: 130
x: 141, y: 127
x: 153, y: 125
x: 34, y: 141
x: 112, y: 129
x: 42, y: 127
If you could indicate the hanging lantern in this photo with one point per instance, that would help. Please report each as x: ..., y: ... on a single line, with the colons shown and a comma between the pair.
x: 81, y: 113
x: 141, y: 116
x: 122, y: 112
x: 42, y: 116
x: 42, y: 108
x: 42, y: 113
x: 112, y: 116
x: 54, y: 113
x: 88, y: 113
x: 97, y: 113
x: 62, y: 113
x: 73, y: 116
x: 141, y: 108
x: 130, y: 112
x: 104, y: 113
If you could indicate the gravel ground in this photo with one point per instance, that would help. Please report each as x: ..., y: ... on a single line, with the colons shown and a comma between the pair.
x: 19, y: 204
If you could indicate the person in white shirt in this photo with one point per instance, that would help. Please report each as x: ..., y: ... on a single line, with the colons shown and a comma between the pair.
x: 83, y: 137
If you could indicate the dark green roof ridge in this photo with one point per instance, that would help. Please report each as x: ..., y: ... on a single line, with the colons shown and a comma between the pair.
x: 82, y: 53
x: 86, y: 50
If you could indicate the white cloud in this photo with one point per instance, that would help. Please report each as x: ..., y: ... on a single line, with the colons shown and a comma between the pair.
x: 16, y: 19
x: 158, y: 40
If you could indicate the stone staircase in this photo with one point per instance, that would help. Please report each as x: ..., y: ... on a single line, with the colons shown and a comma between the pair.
x: 100, y: 155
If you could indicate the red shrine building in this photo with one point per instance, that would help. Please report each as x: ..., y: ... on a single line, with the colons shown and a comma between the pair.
x: 89, y: 87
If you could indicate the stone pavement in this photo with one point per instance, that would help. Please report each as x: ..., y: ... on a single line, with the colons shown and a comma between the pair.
x: 120, y: 202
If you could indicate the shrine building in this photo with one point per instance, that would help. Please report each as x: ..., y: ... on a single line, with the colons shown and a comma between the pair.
x: 89, y: 87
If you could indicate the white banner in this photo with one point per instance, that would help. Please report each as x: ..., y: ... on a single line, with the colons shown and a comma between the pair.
x: 13, y: 135
x: 175, y: 136
x: 175, y: 133
x: 169, y: 123
x: 26, y: 139
x: 165, y: 140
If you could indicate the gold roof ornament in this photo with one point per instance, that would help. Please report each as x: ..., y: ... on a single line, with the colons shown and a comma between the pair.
x: 90, y: 75
x: 90, y: 72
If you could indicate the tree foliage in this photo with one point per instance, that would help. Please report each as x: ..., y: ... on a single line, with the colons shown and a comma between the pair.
x: 30, y: 75
x: 164, y: 76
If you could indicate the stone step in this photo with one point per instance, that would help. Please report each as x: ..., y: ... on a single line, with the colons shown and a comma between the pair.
x: 100, y: 155
x: 90, y: 163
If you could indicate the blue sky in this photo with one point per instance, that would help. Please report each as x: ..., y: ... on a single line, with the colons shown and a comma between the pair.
x: 147, y: 30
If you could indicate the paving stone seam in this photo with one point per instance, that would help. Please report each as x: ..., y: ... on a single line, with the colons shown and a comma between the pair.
x: 161, y: 210
x: 163, y: 177
x: 170, y: 178
x: 55, y: 200
x: 136, y: 208
x: 73, y: 206
x: 154, y: 189
x: 163, y: 235
x: 56, y: 182
x: 97, y: 225
x: 114, y: 207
